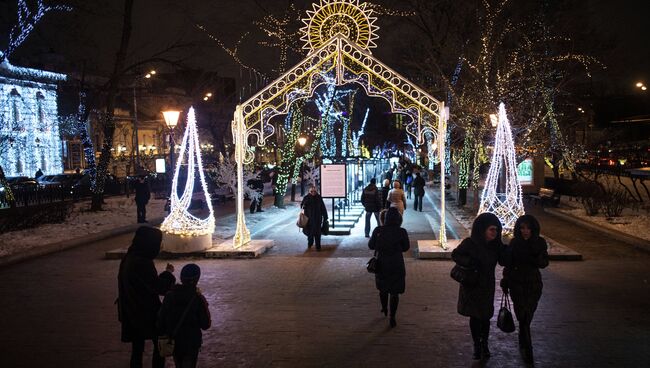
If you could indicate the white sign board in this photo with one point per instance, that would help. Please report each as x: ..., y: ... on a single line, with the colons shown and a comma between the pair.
x: 332, y: 181
x: 525, y: 172
x: 160, y: 165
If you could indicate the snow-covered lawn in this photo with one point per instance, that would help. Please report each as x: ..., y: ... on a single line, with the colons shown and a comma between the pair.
x: 632, y: 222
x: 118, y: 212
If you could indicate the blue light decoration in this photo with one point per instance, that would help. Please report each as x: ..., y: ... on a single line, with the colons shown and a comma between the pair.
x: 356, y: 136
x: 29, y: 121
x: 331, y: 107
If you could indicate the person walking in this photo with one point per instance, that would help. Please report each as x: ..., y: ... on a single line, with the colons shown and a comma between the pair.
x: 139, y: 286
x: 481, y: 251
x: 390, y: 240
x: 371, y: 201
x: 316, y: 212
x: 184, y: 313
x: 258, y: 185
x: 142, y: 196
x: 409, y: 182
x: 524, y: 256
x: 418, y: 192
x: 396, y: 197
x: 384, y: 193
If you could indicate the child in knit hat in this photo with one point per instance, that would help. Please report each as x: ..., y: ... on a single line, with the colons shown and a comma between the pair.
x: 185, y: 299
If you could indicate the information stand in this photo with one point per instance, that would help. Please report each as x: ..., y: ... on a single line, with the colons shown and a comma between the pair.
x: 333, y: 179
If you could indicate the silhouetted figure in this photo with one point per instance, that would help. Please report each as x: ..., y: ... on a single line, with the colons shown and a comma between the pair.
x: 139, y: 287
x: 38, y: 174
x: 384, y: 194
x: 524, y: 256
x: 408, y: 180
x: 371, y: 201
x: 418, y: 192
x: 185, y: 299
x: 142, y: 196
x: 480, y: 251
x: 396, y: 197
x: 390, y: 240
x: 316, y: 212
x: 256, y: 203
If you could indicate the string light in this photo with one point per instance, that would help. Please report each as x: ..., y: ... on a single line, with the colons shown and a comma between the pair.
x: 507, y: 206
x: 180, y: 221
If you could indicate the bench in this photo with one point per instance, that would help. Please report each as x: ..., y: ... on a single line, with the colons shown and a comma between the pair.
x: 223, y: 194
x: 545, y: 195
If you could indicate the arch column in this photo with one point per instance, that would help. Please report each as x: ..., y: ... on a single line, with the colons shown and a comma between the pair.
x: 242, y: 234
x: 442, y: 132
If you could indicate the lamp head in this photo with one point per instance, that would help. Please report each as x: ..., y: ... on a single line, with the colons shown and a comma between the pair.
x: 171, y: 118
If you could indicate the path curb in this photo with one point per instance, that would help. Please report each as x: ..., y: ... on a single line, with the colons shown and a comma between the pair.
x: 72, y: 243
x: 620, y: 236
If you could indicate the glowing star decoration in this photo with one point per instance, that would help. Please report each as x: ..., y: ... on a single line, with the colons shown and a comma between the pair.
x: 507, y: 206
x: 350, y: 18
x: 180, y: 221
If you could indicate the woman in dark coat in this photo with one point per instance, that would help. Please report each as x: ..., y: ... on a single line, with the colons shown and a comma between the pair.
x: 525, y: 255
x: 480, y: 251
x: 390, y: 241
x: 139, y: 287
x: 316, y: 212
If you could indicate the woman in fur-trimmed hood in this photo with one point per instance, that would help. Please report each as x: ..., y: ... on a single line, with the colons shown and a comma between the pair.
x: 525, y: 255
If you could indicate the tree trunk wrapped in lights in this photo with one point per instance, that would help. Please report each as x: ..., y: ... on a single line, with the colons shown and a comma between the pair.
x: 507, y: 205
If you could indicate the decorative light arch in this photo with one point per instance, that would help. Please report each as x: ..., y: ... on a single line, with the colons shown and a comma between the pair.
x: 345, y: 61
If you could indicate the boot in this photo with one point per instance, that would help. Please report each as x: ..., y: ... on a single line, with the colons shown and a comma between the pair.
x: 383, y: 298
x: 485, y: 351
x: 394, y: 302
x: 477, y: 350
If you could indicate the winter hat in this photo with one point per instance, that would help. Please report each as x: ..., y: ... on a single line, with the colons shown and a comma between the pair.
x: 190, y: 272
x: 146, y: 242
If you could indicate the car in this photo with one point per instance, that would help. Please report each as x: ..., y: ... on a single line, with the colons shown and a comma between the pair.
x: 82, y: 186
x: 22, y: 182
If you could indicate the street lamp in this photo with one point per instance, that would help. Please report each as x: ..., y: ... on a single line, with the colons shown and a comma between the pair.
x: 641, y: 85
x: 302, y: 141
x: 171, y: 119
x: 494, y: 120
x: 135, y: 115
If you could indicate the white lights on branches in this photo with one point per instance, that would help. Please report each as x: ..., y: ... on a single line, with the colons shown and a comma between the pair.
x: 180, y: 221
x: 507, y: 205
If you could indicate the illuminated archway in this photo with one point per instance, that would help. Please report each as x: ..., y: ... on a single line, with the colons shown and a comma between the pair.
x: 343, y: 60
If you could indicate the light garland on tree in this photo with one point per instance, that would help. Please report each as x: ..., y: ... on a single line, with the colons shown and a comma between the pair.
x: 506, y: 206
x: 180, y: 221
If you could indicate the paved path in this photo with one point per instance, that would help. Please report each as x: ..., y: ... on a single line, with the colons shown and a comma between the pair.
x: 299, y: 308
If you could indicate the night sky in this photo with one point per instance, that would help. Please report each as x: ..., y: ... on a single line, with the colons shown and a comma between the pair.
x: 614, y: 32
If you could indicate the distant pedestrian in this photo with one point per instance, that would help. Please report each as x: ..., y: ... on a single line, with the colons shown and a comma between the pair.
x: 371, y: 201
x: 525, y: 255
x: 396, y: 197
x: 185, y: 300
x: 409, y: 184
x: 316, y: 212
x: 390, y: 241
x: 38, y: 174
x: 480, y: 251
x: 384, y: 193
x: 139, y: 286
x: 418, y: 192
x: 256, y: 203
x: 142, y: 196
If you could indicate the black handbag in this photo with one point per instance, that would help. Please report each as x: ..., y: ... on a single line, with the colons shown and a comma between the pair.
x: 325, y: 229
x: 466, y: 276
x: 504, y: 320
x: 372, y: 266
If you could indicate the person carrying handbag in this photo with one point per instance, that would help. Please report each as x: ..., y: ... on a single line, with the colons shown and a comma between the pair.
x: 389, y: 241
x: 316, y: 212
x: 526, y: 254
x: 183, y: 315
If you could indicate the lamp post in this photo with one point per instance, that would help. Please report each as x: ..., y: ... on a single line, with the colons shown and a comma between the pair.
x: 301, y: 141
x: 135, y: 116
x: 171, y: 119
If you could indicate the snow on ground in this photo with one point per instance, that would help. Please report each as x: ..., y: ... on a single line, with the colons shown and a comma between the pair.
x: 118, y: 212
x: 632, y: 222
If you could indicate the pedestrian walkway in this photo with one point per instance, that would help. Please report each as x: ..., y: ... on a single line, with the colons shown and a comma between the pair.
x: 300, y: 308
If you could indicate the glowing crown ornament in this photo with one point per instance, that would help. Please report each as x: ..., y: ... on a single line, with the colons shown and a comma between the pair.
x: 507, y: 206
x: 180, y: 221
x: 350, y: 18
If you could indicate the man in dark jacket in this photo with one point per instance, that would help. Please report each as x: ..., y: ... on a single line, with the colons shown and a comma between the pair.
x: 256, y: 203
x: 185, y: 300
x: 418, y: 191
x: 371, y: 201
x: 142, y: 196
x: 139, y: 287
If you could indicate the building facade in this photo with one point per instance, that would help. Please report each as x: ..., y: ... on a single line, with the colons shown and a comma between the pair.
x: 29, y: 126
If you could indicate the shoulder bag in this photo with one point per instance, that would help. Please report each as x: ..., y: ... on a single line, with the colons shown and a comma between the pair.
x: 466, y: 276
x: 372, y: 266
x: 166, y: 343
x: 302, y: 219
x: 504, y: 320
